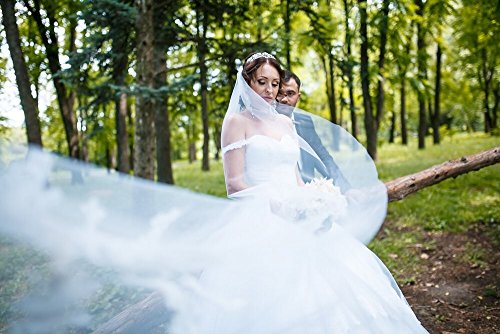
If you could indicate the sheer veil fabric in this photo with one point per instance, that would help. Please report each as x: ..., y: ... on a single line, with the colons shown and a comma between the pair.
x: 283, y: 257
x: 338, y: 156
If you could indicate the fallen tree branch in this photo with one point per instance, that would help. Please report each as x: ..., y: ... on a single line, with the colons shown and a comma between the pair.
x: 142, y: 317
x: 403, y: 186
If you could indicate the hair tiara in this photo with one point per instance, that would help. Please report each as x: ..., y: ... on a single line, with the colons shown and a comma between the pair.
x: 259, y: 55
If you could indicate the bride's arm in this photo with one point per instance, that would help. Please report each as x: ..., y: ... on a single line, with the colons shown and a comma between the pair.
x: 233, y: 131
x: 234, y: 166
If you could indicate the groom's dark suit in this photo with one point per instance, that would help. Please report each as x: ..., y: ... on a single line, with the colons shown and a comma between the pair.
x: 305, y: 129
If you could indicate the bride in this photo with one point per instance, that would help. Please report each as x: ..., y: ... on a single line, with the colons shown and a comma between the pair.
x: 283, y: 257
x: 324, y: 279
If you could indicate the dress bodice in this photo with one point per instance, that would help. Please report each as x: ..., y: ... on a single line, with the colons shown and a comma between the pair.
x: 269, y: 160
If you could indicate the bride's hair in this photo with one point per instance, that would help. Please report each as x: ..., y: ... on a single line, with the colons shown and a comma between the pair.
x: 254, y: 62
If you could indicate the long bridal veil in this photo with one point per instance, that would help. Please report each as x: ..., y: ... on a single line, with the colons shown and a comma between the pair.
x: 80, y: 243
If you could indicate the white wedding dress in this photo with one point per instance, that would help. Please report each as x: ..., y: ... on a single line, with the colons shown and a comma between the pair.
x: 288, y: 273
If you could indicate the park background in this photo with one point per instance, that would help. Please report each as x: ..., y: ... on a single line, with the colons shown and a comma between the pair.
x: 141, y: 87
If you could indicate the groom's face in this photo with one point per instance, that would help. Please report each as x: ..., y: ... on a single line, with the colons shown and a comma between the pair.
x: 289, y: 93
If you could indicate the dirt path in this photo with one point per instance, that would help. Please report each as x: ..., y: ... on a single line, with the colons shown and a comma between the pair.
x: 457, y: 288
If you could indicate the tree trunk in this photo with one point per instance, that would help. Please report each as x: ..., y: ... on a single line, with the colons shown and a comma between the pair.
x: 144, y: 155
x: 422, y: 69
x: 130, y: 134
x: 350, y: 80
x: 163, y: 154
x: 331, y: 98
x: 84, y: 151
x: 430, y: 113
x: 486, y: 81
x: 50, y: 41
x: 370, y: 126
x: 286, y: 19
x: 142, y: 317
x: 217, y: 141
x: 202, y: 50
x: 422, y: 121
x: 436, y: 115
x: 110, y: 157
x: 381, y: 62
x: 162, y: 121
x: 392, y: 129
x: 120, y: 65
x: 191, y: 152
x: 496, y: 94
x: 404, y: 130
x: 122, y: 133
x: 28, y: 103
x: 401, y: 187
x: 330, y: 88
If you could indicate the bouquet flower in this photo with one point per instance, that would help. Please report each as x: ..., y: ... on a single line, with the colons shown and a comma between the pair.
x: 317, y: 205
x: 324, y: 185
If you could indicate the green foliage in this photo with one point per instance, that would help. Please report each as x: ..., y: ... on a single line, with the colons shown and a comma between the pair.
x: 106, y: 35
x: 3, y: 70
x: 190, y: 176
x: 3, y: 127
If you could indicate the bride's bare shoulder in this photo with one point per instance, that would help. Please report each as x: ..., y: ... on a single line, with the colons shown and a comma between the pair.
x: 234, y: 128
x: 235, y: 122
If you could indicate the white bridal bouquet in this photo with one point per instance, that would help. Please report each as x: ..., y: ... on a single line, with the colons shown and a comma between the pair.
x: 324, y: 185
x: 318, y: 204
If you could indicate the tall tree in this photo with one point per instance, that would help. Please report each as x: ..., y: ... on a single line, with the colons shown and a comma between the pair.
x: 165, y: 37
x: 323, y: 28
x: 439, y: 11
x: 45, y: 18
x: 383, y: 27
x: 400, y: 41
x: 329, y: 69
x: 121, y: 29
x: 403, y: 67
x: 202, y: 50
x: 370, y: 121
x: 348, y: 68
x: 422, y: 72
x: 478, y: 32
x: 28, y: 103
x: 99, y: 69
x: 144, y: 147
x: 288, y: 32
x: 436, y: 114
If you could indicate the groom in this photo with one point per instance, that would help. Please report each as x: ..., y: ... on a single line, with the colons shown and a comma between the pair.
x: 289, y: 94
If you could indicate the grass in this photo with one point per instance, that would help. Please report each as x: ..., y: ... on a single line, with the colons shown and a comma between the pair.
x: 189, y: 175
x: 453, y: 205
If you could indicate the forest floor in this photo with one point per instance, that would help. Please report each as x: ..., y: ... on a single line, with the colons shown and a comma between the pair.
x: 454, y: 289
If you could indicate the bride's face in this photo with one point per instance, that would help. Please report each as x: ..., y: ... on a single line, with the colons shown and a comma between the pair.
x: 266, y: 82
